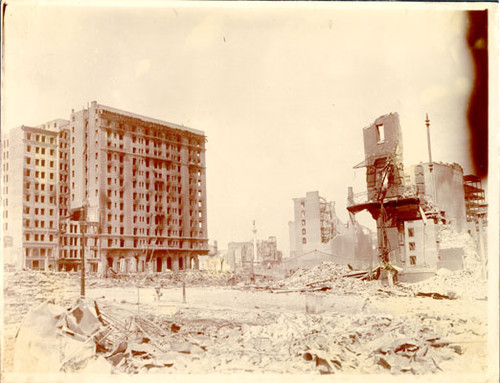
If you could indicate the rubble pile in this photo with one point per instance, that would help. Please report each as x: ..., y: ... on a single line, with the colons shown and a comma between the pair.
x: 451, y: 239
x: 298, y: 343
x: 23, y: 289
x: 326, y: 276
x: 465, y: 284
x: 326, y: 271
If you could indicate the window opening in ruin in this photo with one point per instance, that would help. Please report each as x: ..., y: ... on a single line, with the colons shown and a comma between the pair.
x: 380, y: 133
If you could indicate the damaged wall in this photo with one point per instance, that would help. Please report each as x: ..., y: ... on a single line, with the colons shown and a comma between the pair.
x: 353, y: 247
x: 444, y: 187
x: 421, y: 248
x: 383, y: 140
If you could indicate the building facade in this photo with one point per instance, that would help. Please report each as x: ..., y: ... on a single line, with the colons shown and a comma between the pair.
x: 34, y: 193
x: 313, y: 225
x: 143, y: 183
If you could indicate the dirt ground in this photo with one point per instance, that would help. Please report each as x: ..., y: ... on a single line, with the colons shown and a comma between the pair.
x: 371, y: 329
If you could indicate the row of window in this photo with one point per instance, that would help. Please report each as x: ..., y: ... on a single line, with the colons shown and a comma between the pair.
x: 38, y: 211
x: 41, y: 138
x: 39, y: 186
x: 39, y: 162
x: 39, y: 224
x: 40, y: 199
x: 38, y: 174
x: 38, y: 237
x: 39, y: 150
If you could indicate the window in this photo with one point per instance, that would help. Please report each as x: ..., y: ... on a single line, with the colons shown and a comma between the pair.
x: 411, y: 232
x: 303, y: 231
x: 304, y: 240
x: 380, y: 133
x: 412, y: 246
x: 303, y: 222
x: 413, y: 260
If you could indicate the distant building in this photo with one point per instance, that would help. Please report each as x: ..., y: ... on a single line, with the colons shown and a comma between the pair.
x: 240, y: 257
x: 314, y: 224
x: 34, y: 193
x: 268, y: 254
x: 318, y: 235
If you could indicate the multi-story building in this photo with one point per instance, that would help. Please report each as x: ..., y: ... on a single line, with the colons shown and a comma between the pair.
x: 475, y: 198
x: 34, y: 192
x: 318, y: 235
x: 143, y: 184
x: 314, y: 224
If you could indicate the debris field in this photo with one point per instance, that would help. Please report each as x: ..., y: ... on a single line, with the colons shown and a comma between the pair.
x: 316, y: 321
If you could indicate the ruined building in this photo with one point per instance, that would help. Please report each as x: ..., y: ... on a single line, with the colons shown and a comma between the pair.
x: 475, y: 199
x: 318, y: 235
x: 240, y: 257
x: 143, y: 182
x: 268, y: 254
x: 409, y: 207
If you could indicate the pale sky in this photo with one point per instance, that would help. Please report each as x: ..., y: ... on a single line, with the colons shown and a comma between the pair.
x: 281, y: 92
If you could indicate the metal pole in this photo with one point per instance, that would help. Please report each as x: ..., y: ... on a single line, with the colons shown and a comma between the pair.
x: 82, y: 229
x: 183, y: 291
x: 428, y: 124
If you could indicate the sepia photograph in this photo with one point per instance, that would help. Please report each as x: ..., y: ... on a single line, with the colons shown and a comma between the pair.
x: 255, y: 190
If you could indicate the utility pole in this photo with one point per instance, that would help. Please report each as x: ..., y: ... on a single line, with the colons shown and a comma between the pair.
x: 83, y: 224
x: 428, y: 124
x: 431, y: 164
